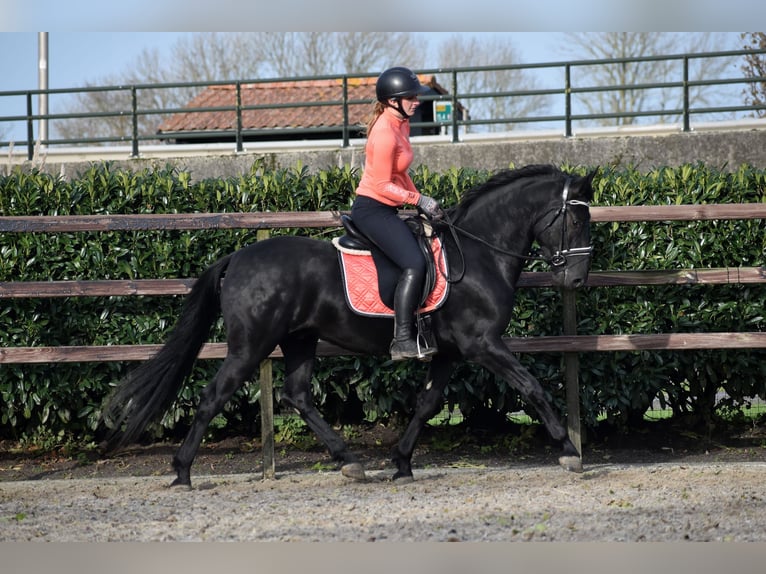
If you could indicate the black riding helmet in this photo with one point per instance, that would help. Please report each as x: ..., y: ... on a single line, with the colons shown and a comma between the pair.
x: 397, y: 83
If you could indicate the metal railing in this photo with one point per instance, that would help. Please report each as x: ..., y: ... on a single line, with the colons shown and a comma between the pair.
x: 567, y: 87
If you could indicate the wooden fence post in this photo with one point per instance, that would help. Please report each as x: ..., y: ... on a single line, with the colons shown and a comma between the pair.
x: 267, y: 419
x: 267, y: 404
x: 571, y: 369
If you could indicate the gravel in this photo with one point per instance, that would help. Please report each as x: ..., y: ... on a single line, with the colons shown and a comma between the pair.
x: 722, y: 501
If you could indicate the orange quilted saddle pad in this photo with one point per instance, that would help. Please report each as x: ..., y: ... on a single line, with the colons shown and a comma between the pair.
x: 360, y: 279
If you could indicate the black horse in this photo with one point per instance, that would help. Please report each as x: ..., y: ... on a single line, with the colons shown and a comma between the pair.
x: 287, y: 291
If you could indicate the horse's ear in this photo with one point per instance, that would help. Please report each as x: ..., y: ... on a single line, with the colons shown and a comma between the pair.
x: 584, y: 187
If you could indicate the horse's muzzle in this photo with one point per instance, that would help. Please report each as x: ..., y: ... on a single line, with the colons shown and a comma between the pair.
x: 573, y: 274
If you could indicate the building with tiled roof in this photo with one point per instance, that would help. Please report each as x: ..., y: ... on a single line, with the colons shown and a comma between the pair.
x: 295, y: 110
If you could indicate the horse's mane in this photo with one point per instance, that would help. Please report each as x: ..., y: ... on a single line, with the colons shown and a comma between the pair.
x: 499, y: 179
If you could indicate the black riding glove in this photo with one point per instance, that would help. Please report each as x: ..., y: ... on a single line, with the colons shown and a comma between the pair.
x: 430, y: 207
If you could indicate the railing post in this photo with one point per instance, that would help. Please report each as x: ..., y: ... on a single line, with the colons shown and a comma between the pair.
x: 571, y: 368
x: 346, y: 140
x: 266, y: 384
x: 687, y: 126
x: 568, y: 100
x: 134, y: 117
x: 30, y: 129
x: 455, y: 138
x: 240, y: 147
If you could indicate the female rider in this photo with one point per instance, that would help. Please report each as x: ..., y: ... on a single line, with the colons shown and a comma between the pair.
x: 386, y: 186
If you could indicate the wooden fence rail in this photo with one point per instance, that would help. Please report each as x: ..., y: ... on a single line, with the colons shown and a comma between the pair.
x: 313, y: 219
x: 123, y: 287
x: 570, y: 344
x: 543, y: 344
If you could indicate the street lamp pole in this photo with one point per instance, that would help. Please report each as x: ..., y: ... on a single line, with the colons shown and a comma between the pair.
x: 42, y: 76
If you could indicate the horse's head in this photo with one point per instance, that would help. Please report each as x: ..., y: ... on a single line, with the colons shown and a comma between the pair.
x: 564, y: 233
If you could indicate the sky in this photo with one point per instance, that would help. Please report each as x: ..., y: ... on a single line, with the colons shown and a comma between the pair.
x: 91, y: 39
x: 76, y: 59
x: 404, y: 15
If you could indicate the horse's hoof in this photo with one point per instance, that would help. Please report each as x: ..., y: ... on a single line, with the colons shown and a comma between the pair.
x: 179, y: 485
x: 354, y: 471
x: 571, y: 463
x: 402, y: 477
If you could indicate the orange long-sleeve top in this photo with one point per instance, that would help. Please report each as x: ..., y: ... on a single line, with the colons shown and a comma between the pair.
x: 388, y: 155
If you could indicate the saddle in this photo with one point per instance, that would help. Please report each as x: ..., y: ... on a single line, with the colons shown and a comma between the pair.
x: 370, y: 277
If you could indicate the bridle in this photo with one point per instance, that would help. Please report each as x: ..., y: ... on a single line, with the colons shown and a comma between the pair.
x: 559, y: 258
x: 556, y: 260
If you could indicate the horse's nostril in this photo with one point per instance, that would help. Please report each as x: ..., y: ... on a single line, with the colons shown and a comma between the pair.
x: 577, y: 283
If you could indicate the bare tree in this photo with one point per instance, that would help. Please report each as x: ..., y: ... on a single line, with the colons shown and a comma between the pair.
x: 755, y: 67
x: 203, y: 57
x: 373, y: 52
x: 463, y: 51
x: 629, y: 100
x: 324, y: 53
x: 215, y: 56
x: 282, y: 52
x: 110, y: 103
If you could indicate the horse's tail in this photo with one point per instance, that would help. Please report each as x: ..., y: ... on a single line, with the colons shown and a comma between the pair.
x: 147, y: 391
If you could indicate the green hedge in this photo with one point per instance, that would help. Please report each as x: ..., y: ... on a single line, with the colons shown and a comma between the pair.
x: 65, y: 398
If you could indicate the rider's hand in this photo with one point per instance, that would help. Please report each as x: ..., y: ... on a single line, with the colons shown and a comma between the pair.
x: 430, y: 207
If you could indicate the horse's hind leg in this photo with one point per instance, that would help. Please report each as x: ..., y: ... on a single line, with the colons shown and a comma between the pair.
x: 430, y: 402
x: 296, y: 393
x: 233, y: 373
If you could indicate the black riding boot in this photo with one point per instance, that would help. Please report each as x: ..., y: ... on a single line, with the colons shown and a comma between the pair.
x: 406, y: 344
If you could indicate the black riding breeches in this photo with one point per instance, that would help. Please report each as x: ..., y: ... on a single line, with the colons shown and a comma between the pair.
x: 382, y: 224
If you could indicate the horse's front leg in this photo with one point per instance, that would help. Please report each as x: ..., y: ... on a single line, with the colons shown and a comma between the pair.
x: 498, y: 358
x: 429, y: 403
